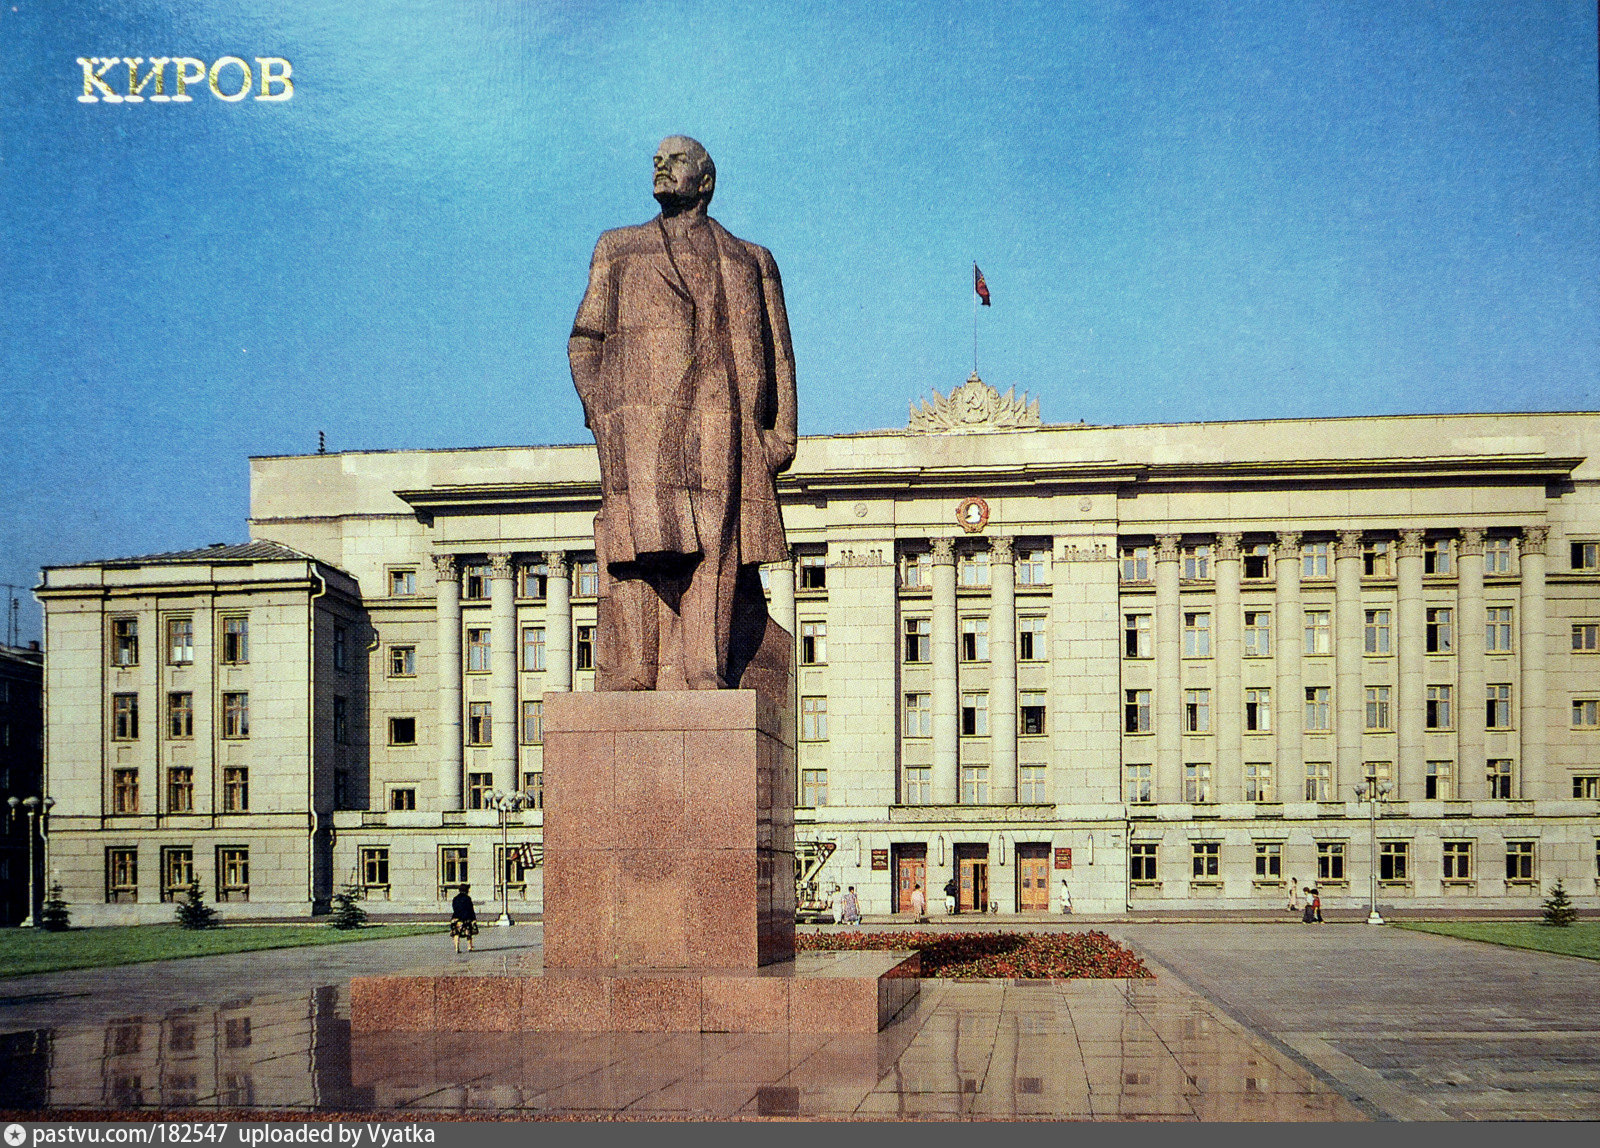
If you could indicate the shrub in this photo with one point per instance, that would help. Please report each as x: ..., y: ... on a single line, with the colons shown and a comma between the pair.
x: 53, y: 917
x: 1558, y: 910
x: 347, y: 911
x: 193, y: 912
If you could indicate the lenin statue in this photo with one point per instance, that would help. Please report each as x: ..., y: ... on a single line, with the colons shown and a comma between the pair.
x: 681, y: 355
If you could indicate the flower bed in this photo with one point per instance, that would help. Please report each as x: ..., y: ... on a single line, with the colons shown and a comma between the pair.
x: 1029, y: 956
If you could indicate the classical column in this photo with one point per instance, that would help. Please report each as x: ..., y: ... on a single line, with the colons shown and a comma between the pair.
x: 557, y: 623
x: 1229, y: 654
x: 1286, y: 655
x: 1532, y: 717
x: 503, y: 671
x: 1002, y: 672
x: 1349, y: 697
x: 447, y: 621
x: 1169, y: 677
x: 1470, y: 624
x: 946, y: 686
x: 1410, y: 644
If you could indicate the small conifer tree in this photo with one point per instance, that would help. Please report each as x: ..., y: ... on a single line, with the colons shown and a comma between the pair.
x: 54, y: 917
x: 193, y: 912
x: 1559, y: 910
x: 347, y: 911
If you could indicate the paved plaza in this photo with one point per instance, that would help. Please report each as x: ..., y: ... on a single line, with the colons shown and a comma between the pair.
x: 1242, y: 1022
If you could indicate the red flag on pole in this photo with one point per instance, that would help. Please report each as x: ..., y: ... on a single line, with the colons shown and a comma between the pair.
x: 979, y: 285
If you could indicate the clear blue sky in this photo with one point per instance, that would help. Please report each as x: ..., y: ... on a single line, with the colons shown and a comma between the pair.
x: 1184, y: 211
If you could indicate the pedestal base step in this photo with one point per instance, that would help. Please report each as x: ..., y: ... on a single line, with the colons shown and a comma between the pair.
x: 817, y: 992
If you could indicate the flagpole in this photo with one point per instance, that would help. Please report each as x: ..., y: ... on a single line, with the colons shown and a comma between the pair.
x: 974, y: 328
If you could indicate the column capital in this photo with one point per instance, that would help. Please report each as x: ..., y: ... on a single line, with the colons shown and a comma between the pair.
x: 1288, y: 544
x: 944, y: 552
x: 1348, y: 544
x: 1001, y: 550
x: 501, y: 566
x: 1471, y: 541
x: 1228, y: 546
x: 555, y: 562
x: 1410, y: 544
x: 1534, y: 539
x: 1167, y: 547
x: 445, y: 568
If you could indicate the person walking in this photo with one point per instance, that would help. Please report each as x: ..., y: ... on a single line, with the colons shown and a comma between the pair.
x: 919, y: 905
x: 1309, y: 913
x: 850, y: 909
x: 950, y: 895
x: 1294, y: 894
x: 463, y: 919
x: 1316, y: 905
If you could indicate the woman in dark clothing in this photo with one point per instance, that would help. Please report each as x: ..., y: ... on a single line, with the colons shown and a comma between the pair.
x: 463, y: 919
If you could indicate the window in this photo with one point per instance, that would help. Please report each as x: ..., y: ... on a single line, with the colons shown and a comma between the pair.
x: 1196, y: 563
x: 125, y: 791
x: 341, y: 648
x: 919, y: 715
x: 402, y: 583
x: 1437, y: 714
x: 1586, y: 556
x: 1314, y: 560
x: 974, y: 639
x: 974, y: 714
x: 480, y: 727
x: 1197, y: 711
x: 452, y: 869
x: 125, y: 717
x: 374, y: 863
x: 235, y: 640
x: 972, y: 567
x: 919, y: 785
x: 1206, y: 858
x: 533, y: 580
x: 813, y: 787
x: 1269, y: 860
x: 1138, y: 637
x: 403, y: 799
x: 532, y: 648
x: 1377, y: 631
x: 177, y: 871
x: 122, y: 875
x: 1030, y: 639
x: 180, y: 715
x: 1585, y: 713
x: 478, y: 787
x: 1497, y: 556
x: 1197, y: 782
x: 1135, y: 563
x: 475, y: 581
x: 180, y: 641
x: 1196, y: 635
x: 916, y: 570
x: 1457, y: 860
x: 1375, y: 559
x: 1318, y: 702
x: 402, y: 661
x: 1519, y: 862
x: 236, y: 789
x: 180, y: 789
x: 1033, y: 567
x: 1378, y: 707
x: 1258, y: 710
x: 236, y: 715
x: 1136, y: 784
x: 1585, y: 637
x: 583, y: 649
x: 1258, y: 561
x: 1440, y: 782
x: 1136, y: 711
x: 1319, y: 633
x: 1436, y: 557
x: 510, y: 873
x: 919, y: 640
x: 813, y: 643
x: 1439, y: 636
x: 402, y: 731
x: 1258, y: 782
x: 1032, y: 713
x: 533, y: 786
x: 1330, y: 860
x: 125, y: 641
x: 586, y: 579
x: 1497, y: 632
x: 1382, y: 772
x: 233, y: 873
x: 1502, y: 781
x: 1497, y: 706
x: 341, y: 721
x: 1394, y: 861
x: 478, y: 649
x: 1586, y: 785
x: 814, y: 719
x: 813, y: 572
x: 532, y: 722
x: 1319, y: 781
x: 1030, y: 785
x: 974, y: 785
x: 1142, y: 863
x: 1257, y: 633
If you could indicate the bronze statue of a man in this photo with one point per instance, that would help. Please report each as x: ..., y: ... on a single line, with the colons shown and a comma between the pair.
x: 681, y: 355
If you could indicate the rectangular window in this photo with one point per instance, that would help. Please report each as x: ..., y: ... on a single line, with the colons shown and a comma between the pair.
x: 480, y: 726
x: 403, y: 799
x: 341, y: 721
x: 1196, y: 635
x: 402, y: 661
x: 1497, y: 630
x: 974, y: 785
x: 177, y: 871
x: 919, y: 785
x: 1136, y: 786
x: 814, y: 719
x: 1502, y: 779
x: 1257, y: 633
x: 919, y: 640
x: 1586, y: 556
x: 235, y: 640
x: 1206, y: 858
x: 125, y: 791
x: 1269, y: 860
x: 583, y: 649
x: 1519, y: 862
x: 972, y: 566
x: 1436, y: 557
x: 813, y: 787
x: 1319, y: 632
x: 510, y: 873
x: 1136, y: 711
x: 1585, y: 637
x: 1382, y: 772
x: 180, y: 715
x: 1440, y: 636
x: 1375, y: 559
x: 974, y: 639
x: 125, y: 717
x: 122, y: 875
x: 180, y: 641
x: 1457, y: 860
x: 1258, y: 710
x: 1314, y: 560
x: 1440, y: 782
x: 1258, y: 782
x: 341, y: 648
x: 478, y: 650
x: 1586, y: 785
x: 1031, y: 785
x: 478, y: 787
x: 1030, y: 639
x: 1378, y: 708
x: 1258, y: 561
x: 586, y: 579
x: 813, y: 643
x: 1586, y: 713
x: 236, y: 789
x: 402, y: 731
x: 1330, y: 860
x: 1497, y: 556
x: 974, y: 714
x: 533, y: 722
x: 1197, y: 782
x: 533, y: 579
x: 813, y: 571
x: 532, y: 648
x: 125, y: 641
x: 916, y: 570
x: 374, y: 861
x: 1319, y: 780
x: 1497, y: 706
x: 180, y: 789
x: 1031, y: 711
x: 1197, y: 563
x: 1138, y: 635
x: 1437, y: 714
x: 402, y: 583
x: 1135, y: 563
x: 452, y: 870
x: 236, y: 715
x: 233, y: 873
x: 1318, y: 702
x: 1033, y: 567
x: 475, y: 581
x: 1197, y: 711
x: 1378, y: 630
x: 533, y: 786
x: 1142, y: 858
x: 919, y: 715
x: 1394, y: 860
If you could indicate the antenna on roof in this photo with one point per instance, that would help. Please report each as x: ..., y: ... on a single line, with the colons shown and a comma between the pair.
x: 322, y: 443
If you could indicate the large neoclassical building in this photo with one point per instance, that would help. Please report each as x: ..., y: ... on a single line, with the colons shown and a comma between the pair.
x: 1123, y: 667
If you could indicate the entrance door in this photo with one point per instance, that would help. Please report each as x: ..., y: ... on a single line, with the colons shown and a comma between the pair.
x: 911, y: 872
x: 972, y: 868
x: 1033, y: 878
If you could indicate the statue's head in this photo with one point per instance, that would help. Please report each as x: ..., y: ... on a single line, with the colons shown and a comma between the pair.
x: 684, y: 173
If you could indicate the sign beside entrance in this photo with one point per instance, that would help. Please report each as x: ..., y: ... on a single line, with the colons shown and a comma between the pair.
x: 1063, y: 858
x: 880, y: 860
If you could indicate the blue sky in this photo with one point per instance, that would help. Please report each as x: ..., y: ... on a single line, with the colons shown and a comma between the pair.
x: 1183, y: 210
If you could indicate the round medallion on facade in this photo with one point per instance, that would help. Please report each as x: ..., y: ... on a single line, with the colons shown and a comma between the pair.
x: 972, y: 514
x: 861, y: 510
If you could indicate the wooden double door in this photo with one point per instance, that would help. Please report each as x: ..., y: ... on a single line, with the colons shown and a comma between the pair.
x: 972, y: 878
x: 1033, y: 878
x: 910, y: 872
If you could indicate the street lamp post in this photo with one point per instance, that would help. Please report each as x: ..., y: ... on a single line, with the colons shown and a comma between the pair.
x: 37, y: 809
x: 507, y: 803
x: 1372, y: 793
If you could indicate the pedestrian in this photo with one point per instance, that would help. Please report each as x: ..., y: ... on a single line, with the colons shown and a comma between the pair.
x: 850, y: 909
x: 1309, y: 913
x: 1316, y: 905
x: 1066, y: 897
x: 950, y: 895
x: 1294, y: 894
x: 463, y: 919
x: 919, y: 905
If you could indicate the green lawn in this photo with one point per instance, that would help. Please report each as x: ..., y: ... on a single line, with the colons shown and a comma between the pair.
x: 24, y: 951
x: 1579, y: 940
